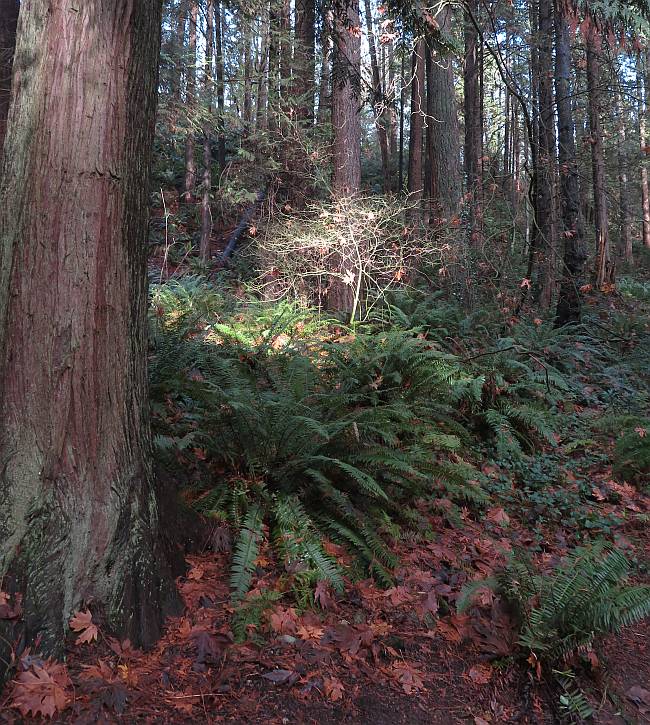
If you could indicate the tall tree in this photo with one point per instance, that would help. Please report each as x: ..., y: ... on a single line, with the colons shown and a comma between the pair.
x: 380, y: 108
x: 8, y: 19
x: 80, y: 518
x: 415, y: 161
x: 346, y: 98
x: 442, y: 122
x: 190, y: 161
x: 346, y: 146
x: 604, y: 272
x: 221, y: 85
x: 544, y: 200
x: 569, y: 305
x: 472, y: 114
x: 305, y: 59
x: 643, y: 104
x: 206, y: 212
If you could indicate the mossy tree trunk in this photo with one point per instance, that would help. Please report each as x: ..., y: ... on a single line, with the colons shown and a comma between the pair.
x: 79, y: 523
x: 8, y: 18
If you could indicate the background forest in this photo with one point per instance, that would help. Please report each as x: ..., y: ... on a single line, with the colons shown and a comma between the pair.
x: 375, y: 444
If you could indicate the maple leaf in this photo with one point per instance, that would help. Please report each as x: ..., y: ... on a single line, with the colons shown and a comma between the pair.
x: 82, y: 622
x: 333, y: 688
x: 322, y: 595
x: 408, y: 676
x: 498, y: 516
x: 480, y: 674
x: 283, y: 621
x: 41, y: 691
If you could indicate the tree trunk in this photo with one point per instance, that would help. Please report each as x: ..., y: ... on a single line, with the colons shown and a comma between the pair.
x: 473, y: 131
x: 604, y: 267
x: 304, y: 60
x: 80, y: 522
x: 324, y: 91
x: 346, y: 147
x: 379, y: 106
x: 625, y: 222
x: 221, y: 91
x: 190, y: 161
x: 206, y: 212
x: 643, y: 92
x: 415, y: 180
x: 8, y: 18
x: 443, y: 121
x: 346, y: 99
x: 261, y: 115
x: 179, y: 54
x: 569, y: 305
x: 544, y: 202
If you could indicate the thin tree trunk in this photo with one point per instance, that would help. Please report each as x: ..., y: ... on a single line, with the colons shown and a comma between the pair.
x: 625, y: 231
x: 221, y: 90
x: 569, y: 305
x: 190, y: 161
x: 8, y: 19
x: 80, y: 519
x: 604, y: 267
x: 261, y: 115
x: 179, y: 55
x: 206, y: 212
x: 402, y: 107
x: 324, y: 91
x: 473, y: 131
x: 379, y: 106
x: 416, y: 135
x: 643, y: 92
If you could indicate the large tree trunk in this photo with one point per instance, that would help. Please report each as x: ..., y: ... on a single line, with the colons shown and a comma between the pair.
x: 604, y: 272
x: 79, y: 524
x: 190, y: 161
x: 444, y: 162
x: 8, y: 18
x: 569, y: 305
x: 346, y: 99
x: 304, y: 60
x: 415, y: 180
x: 346, y: 147
x: 472, y: 108
x: 324, y: 90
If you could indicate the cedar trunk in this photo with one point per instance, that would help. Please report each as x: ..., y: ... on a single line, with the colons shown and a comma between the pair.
x: 8, y: 18
x: 643, y: 93
x: 415, y: 180
x: 305, y: 60
x: 79, y: 524
x: 472, y: 108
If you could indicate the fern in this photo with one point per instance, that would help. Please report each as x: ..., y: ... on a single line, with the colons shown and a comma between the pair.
x: 246, y: 552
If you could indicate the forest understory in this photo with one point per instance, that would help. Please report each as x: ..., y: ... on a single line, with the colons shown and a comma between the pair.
x: 537, y: 442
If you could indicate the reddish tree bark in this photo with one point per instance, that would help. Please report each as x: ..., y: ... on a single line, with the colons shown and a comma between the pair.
x: 473, y: 131
x: 304, y: 59
x: 79, y: 523
x: 8, y: 19
x: 643, y: 92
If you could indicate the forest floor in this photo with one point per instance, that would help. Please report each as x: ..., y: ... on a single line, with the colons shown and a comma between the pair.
x: 402, y: 655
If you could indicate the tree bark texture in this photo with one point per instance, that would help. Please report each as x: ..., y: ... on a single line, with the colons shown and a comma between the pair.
x: 8, y: 19
x: 206, y: 190
x: 604, y: 273
x: 569, y: 305
x: 418, y: 109
x: 190, y: 161
x: 544, y: 201
x: 473, y: 131
x: 346, y: 99
x: 444, y: 162
x: 79, y: 519
x: 643, y: 92
x: 304, y: 60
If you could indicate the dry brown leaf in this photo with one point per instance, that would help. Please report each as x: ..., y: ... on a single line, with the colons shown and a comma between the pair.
x: 333, y: 688
x: 82, y: 622
x: 41, y: 691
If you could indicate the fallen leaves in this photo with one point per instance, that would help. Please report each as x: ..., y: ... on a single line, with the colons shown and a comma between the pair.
x: 82, y: 622
x: 8, y: 610
x: 333, y: 688
x: 41, y: 690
